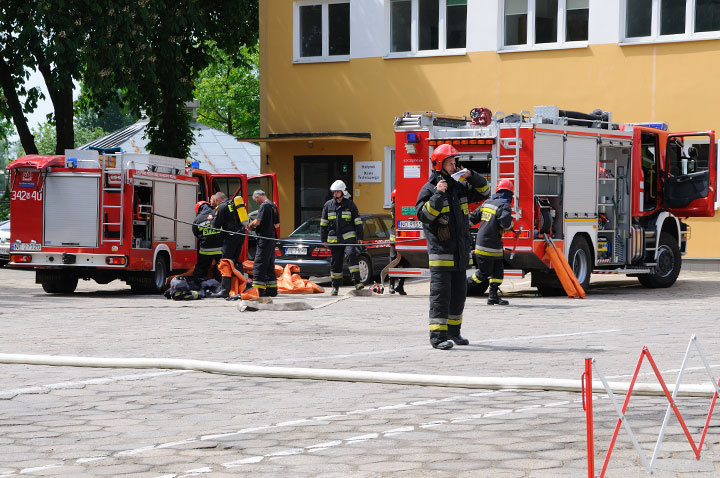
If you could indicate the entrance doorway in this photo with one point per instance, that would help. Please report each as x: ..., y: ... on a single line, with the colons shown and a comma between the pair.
x: 313, y: 177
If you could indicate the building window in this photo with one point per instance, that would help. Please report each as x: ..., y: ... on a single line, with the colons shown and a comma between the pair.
x: 668, y: 20
x: 544, y: 23
x: 420, y: 26
x: 322, y: 31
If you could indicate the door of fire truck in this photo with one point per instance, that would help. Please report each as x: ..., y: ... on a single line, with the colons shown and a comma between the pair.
x: 689, y: 174
x: 268, y: 184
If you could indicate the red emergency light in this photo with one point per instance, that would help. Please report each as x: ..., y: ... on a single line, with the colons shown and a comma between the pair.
x: 411, y: 234
x: 116, y: 260
x: 436, y: 142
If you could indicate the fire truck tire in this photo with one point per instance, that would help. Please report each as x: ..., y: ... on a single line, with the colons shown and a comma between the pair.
x: 160, y: 274
x: 65, y: 286
x: 580, y: 260
x: 668, y: 264
x: 366, y: 269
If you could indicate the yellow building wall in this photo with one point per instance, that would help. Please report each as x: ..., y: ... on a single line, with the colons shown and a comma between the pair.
x: 671, y: 82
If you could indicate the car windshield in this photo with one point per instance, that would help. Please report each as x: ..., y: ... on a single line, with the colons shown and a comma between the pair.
x: 310, y: 229
x: 5, y: 226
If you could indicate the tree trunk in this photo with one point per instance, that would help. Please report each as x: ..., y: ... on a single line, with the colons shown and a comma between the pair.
x: 61, y: 96
x: 229, y: 123
x: 8, y: 86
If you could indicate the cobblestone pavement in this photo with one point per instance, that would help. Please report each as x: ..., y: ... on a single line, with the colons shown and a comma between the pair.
x: 156, y: 423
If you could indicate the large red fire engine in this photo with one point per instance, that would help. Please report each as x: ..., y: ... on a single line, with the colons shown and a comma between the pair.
x: 87, y: 215
x: 609, y: 195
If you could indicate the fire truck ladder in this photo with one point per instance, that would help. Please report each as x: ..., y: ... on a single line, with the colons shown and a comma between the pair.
x: 514, y: 144
x: 105, y: 208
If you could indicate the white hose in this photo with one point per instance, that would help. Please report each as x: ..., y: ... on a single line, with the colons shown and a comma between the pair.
x: 496, y: 383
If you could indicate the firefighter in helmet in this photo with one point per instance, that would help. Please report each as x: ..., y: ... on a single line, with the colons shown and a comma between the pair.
x: 210, y: 240
x: 442, y: 206
x: 396, y: 285
x: 341, y: 224
x: 495, y: 218
x: 231, y: 216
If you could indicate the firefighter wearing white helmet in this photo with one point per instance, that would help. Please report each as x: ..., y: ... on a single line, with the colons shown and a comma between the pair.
x: 495, y: 219
x: 442, y: 206
x: 340, y: 224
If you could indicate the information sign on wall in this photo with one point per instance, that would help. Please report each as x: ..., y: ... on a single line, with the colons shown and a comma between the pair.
x: 368, y: 172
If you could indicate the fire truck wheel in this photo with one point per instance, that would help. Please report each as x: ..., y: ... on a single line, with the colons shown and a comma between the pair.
x: 65, y: 286
x: 366, y: 270
x: 668, y: 264
x: 579, y: 259
x: 160, y: 274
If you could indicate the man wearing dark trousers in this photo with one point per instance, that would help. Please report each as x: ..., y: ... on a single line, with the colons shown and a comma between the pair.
x: 495, y: 218
x: 442, y: 206
x: 396, y: 285
x: 341, y: 224
x: 265, y: 225
x: 231, y: 216
x: 210, y: 240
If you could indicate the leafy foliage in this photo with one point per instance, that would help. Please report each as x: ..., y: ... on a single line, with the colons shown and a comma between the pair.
x: 228, y: 91
x: 46, y: 140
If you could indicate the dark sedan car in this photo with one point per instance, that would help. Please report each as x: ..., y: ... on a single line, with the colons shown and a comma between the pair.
x: 314, y: 258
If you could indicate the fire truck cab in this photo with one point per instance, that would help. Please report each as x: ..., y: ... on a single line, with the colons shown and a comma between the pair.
x: 111, y: 215
x: 609, y: 195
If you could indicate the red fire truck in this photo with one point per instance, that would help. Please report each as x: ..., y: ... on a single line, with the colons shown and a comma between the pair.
x: 609, y: 195
x: 106, y: 216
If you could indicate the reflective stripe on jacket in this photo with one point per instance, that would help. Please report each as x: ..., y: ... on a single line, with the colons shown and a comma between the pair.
x: 495, y: 219
x: 340, y: 220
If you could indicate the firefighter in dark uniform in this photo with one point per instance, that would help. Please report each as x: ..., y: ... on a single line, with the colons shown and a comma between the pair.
x: 396, y: 285
x: 341, y: 224
x: 265, y: 225
x: 231, y: 216
x: 495, y: 218
x: 210, y: 240
x: 442, y: 206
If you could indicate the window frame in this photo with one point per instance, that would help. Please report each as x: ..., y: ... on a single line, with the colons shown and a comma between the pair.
x: 442, y: 49
x: 655, y: 24
x: 531, y: 45
x: 325, y: 57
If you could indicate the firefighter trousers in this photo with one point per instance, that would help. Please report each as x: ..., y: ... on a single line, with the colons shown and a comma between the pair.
x: 204, y: 261
x: 232, y: 246
x: 264, y: 268
x: 348, y: 253
x: 490, y: 269
x: 448, y: 290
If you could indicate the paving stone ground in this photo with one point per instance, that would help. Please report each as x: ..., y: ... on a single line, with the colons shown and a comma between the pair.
x: 64, y: 421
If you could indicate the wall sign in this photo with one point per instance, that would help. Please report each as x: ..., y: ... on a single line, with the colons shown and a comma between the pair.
x: 368, y: 172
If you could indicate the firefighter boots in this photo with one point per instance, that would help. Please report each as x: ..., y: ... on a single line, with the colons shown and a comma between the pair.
x: 399, y: 288
x: 224, y: 292
x: 334, y: 290
x: 493, y: 298
x: 359, y: 286
x: 439, y: 340
x: 454, y: 335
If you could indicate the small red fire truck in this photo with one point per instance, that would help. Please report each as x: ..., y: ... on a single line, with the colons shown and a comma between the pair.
x: 609, y: 195
x: 106, y: 216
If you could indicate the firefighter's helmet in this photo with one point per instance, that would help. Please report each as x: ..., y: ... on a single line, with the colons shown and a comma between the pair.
x: 198, y: 205
x: 505, y: 184
x: 392, y: 195
x: 338, y: 186
x: 440, y: 154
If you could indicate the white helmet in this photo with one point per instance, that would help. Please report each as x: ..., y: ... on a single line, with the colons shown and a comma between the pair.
x: 338, y: 186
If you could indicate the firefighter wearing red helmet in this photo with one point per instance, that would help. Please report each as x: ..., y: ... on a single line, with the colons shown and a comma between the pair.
x: 210, y: 240
x: 442, y: 206
x: 495, y: 219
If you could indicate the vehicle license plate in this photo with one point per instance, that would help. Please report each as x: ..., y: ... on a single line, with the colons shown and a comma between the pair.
x: 296, y: 251
x: 25, y: 246
x: 409, y: 225
x: 4, y: 250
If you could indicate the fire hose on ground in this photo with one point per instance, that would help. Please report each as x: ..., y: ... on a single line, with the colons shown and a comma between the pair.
x: 492, y: 383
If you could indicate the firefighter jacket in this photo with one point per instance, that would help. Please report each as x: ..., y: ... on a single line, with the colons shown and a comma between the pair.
x: 445, y: 219
x: 210, y: 239
x: 269, y: 218
x: 495, y: 219
x: 231, y: 215
x: 340, y: 222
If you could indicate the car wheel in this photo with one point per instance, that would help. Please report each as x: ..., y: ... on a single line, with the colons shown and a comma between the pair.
x: 366, y: 270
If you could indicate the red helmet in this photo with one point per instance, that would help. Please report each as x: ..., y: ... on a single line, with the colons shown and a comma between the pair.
x: 198, y: 205
x: 392, y: 195
x: 440, y: 154
x: 505, y: 184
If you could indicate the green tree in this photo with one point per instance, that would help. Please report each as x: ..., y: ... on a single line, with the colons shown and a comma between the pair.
x: 46, y: 140
x: 156, y: 56
x: 228, y: 91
